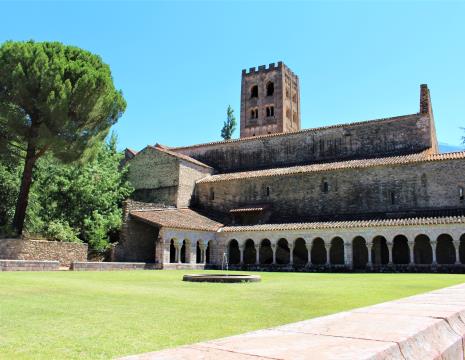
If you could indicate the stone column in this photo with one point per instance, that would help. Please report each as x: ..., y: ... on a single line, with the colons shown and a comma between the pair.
x: 433, y: 248
x: 202, y: 253
x: 457, y: 251
x: 369, y: 247
x: 389, y: 246
x: 411, y: 244
x: 257, y: 254
x: 348, y: 255
x: 328, y: 251
x: 177, y: 257
x: 291, y: 254
x: 241, y: 250
x: 309, y: 253
x: 273, y: 248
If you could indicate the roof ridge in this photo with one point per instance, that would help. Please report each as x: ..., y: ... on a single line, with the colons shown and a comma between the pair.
x: 179, y: 156
x: 251, y: 138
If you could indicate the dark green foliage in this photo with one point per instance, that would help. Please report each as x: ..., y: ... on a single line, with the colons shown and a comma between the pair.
x: 229, y: 125
x: 71, y: 202
x: 53, y: 98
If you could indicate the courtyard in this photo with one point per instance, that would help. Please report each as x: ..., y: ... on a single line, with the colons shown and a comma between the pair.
x: 101, y: 315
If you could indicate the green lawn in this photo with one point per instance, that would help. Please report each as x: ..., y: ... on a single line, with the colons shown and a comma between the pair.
x: 93, y: 315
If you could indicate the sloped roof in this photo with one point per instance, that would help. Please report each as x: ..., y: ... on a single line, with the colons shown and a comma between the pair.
x: 179, y: 156
x: 311, y: 130
x: 186, y: 219
x: 349, y: 224
x: 425, y: 156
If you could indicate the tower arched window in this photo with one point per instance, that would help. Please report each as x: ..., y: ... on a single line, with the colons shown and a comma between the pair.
x: 270, y: 89
x: 461, y: 193
x: 254, y: 91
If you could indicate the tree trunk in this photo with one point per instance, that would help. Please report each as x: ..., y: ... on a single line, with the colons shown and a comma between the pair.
x: 26, y: 181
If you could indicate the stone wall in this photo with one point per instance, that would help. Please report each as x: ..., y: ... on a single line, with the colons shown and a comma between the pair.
x: 407, y: 188
x: 29, y: 265
x: 64, y: 252
x: 155, y: 176
x: 388, y: 137
x: 111, y: 266
x: 137, y: 239
x: 188, y: 175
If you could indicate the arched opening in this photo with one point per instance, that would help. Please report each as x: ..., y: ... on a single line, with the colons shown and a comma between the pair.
x: 336, y: 252
x: 282, y: 252
x: 359, y: 253
x: 379, y: 251
x: 462, y: 249
x: 183, y: 252
x: 445, y: 251
x: 234, y: 255
x: 208, y: 253
x: 423, y: 253
x: 250, y: 254
x: 266, y: 253
x: 269, y: 89
x: 318, y: 252
x: 254, y: 91
x: 300, y: 253
x: 172, y: 252
x: 400, y: 250
x: 198, y: 254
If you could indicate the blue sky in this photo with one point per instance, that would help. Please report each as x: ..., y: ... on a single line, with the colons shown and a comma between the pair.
x: 179, y: 64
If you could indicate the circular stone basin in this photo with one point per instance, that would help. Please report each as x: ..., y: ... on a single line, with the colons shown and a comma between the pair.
x: 221, y: 278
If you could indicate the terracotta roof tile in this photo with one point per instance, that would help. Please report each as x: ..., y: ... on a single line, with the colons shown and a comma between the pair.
x: 177, y: 219
x: 424, y: 156
x: 311, y: 130
x: 349, y: 224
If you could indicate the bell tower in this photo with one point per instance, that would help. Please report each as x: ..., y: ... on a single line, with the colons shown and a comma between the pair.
x: 270, y: 100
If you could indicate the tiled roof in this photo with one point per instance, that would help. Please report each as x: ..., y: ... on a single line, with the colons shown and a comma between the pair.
x: 349, y: 224
x: 311, y: 130
x: 424, y: 156
x: 179, y: 156
x: 177, y: 219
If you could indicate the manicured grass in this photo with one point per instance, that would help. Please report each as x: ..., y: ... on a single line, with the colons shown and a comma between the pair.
x: 94, y: 315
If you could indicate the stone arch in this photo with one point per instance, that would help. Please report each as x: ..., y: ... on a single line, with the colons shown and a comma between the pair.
x: 462, y: 249
x: 250, y: 253
x: 172, y: 252
x: 183, y: 252
x: 254, y: 91
x: 234, y: 255
x: 282, y: 252
x: 318, y: 252
x: 336, y: 252
x: 379, y: 251
x: 423, y: 253
x: 198, y: 253
x: 208, y: 255
x: 266, y: 253
x: 300, y: 253
x: 400, y: 250
x: 359, y: 253
x: 445, y: 250
x: 269, y: 88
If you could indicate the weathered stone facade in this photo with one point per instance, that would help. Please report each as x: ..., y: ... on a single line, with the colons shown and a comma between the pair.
x: 365, y: 195
x: 22, y: 249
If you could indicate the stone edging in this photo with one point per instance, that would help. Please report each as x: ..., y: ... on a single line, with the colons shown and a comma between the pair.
x: 29, y: 265
x: 426, y: 326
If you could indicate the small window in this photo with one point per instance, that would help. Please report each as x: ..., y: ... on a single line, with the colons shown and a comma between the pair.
x: 269, y: 89
x: 212, y: 194
x: 288, y: 113
x: 254, y: 91
x: 461, y: 193
x: 267, y: 112
x: 294, y: 117
x: 254, y: 114
x: 393, y: 198
x: 271, y: 110
x: 267, y: 191
x: 325, y: 187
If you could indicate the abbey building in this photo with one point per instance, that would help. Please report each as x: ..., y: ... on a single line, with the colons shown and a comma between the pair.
x: 366, y: 195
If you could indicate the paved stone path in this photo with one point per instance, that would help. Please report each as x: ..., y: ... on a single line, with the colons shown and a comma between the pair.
x: 426, y: 326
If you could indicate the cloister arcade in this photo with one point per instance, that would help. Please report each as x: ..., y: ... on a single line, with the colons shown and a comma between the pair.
x: 189, y: 252
x: 357, y: 252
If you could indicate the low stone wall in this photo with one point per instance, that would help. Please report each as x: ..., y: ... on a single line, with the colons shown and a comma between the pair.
x: 426, y: 326
x: 28, y: 265
x: 183, y: 266
x: 110, y: 266
x: 63, y: 252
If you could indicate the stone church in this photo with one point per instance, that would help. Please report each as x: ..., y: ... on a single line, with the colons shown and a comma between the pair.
x: 369, y: 195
